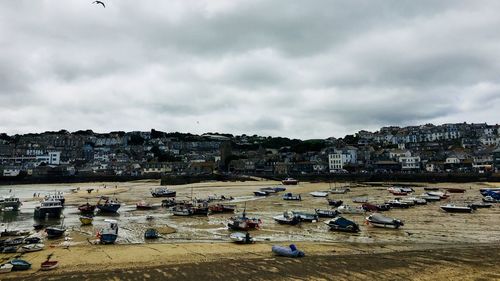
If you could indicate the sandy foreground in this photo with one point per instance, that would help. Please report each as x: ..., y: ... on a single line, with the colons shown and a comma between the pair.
x: 433, y: 245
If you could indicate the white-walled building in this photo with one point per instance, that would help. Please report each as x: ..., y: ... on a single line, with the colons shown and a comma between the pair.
x: 410, y: 163
x: 52, y: 158
x: 335, y: 162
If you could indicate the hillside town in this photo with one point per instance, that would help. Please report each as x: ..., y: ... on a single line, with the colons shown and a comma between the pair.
x: 427, y: 148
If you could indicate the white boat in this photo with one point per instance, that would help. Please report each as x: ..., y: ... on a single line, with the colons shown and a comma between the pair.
x: 450, y: 208
x: 6, y: 267
x: 9, y: 202
x: 318, y: 194
x: 346, y: 209
x: 418, y: 201
x: 33, y: 247
x: 108, y: 234
x: 442, y: 195
x: 360, y: 200
x: 379, y: 220
x: 241, y: 238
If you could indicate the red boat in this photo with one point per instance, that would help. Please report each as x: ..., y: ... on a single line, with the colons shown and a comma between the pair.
x: 455, y: 190
x: 289, y: 181
x: 143, y: 205
x: 49, y: 265
x: 86, y: 208
x: 222, y: 208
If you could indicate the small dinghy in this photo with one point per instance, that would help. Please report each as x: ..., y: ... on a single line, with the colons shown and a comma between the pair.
x: 6, y: 267
x: 318, y: 194
x: 55, y: 232
x: 441, y: 195
x: 289, y: 181
x: 151, y: 233
x: 379, y: 220
x: 9, y: 249
x: 339, y: 190
x: 290, y: 251
x: 398, y: 204
x: 430, y: 198
x: 13, y: 241
x: 260, y: 193
x: 417, y: 201
x: 33, y: 247
x: 143, y: 205
x: 326, y: 213
x: 87, y: 208
x: 455, y: 190
x: 241, y: 238
x: 32, y: 240
x: 428, y: 188
x: 343, y: 224
x: 49, y: 265
x: 19, y: 264
x: 481, y: 205
x: 335, y: 203
x: 450, y: 208
x: 286, y: 218
x: 360, y: 200
x: 86, y: 220
x: 346, y: 209
x: 279, y: 188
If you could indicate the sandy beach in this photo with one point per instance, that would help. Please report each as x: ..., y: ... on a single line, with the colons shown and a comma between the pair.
x: 192, y: 245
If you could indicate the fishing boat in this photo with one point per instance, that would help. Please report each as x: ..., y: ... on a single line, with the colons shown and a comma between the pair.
x: 291, y: 197
x: 455, y: 190
x: 6, y: 268
x: 244, y: 223
x: 379, y: 220
x: 109, y: 233
x: 347, y: 209
x: 335, y: 203
x: 306, y: 217
x: 33, y: 247
x: 49, y: 265
x: 109, y: 205
x: 55, y: 232
x: 343, y: 224
x: 19, y: 264
x: 48, y: 208
x: 143, y: 205
x: 289, y: 181
x: 318, y: 194
x: 10, y: 203
x: 58, y: 196
x: 200, y: 209
x: 169, y: 202
x: 290, y: 251
x: 151, y: 233
x: 86, y: 220
x: 450, y: 208
x: 287, y: 218
x: 163, y: 192
x: 326, y: 213
x: 241, y: 238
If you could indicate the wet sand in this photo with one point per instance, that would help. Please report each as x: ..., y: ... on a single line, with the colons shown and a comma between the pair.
x: 192, y: 246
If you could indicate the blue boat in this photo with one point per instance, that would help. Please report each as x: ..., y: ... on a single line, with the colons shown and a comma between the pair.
x: 108, y: 234
x: 151, y: 233
x: 109, y: 205
x: 19, y: 264
x: 291, y: 251
x: 343, y: 224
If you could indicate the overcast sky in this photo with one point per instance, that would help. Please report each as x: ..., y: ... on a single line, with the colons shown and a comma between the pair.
x: 306, y: 69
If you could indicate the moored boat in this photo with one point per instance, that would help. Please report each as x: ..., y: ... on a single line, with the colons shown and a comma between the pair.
x: 286, y: 218
x: 289, y: 181
x: 33, y: 247
x: 261, y: 193
x: 86, y: 220
x: 108, y: 205
x: 343, y: 224
x: 58, y: 196
x: 10, y: 203
x: 326, y: 213
x: 49, y: 265
x: 109, y: 233
x: 222, y: 208
x: 318, y: 194
x: 379, y: 220
x: 163, y: 192
x: 442, y: 195
x: 455, y: 190
x: 32, y: 240
x: 480, y: 205
x: 290, y: 196
x: 399, y: 204
x: 335, y: 203
x: 347, y: 209
x: 290, y: 251
x: 244, y: 223
x: 19, y: 264
x: 6, y: 268
x: 241, y: 238
x: 428, y: 188
x: 48, y: 208
x: 306, y: 217
x: 360, y: 199
x: 151, y: 233
x: 143, y: 205
x: 339, y: 190
x: 86, y: 208
x: 450, y: 208
x: 55, y: 232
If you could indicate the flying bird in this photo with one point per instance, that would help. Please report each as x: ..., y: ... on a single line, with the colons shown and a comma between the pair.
x: 99, y: 2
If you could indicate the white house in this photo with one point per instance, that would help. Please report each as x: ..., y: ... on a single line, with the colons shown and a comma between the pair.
x: 52, y: 158
x: 11, y: 172
x: 410, y: 163
x: 335, y: 162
